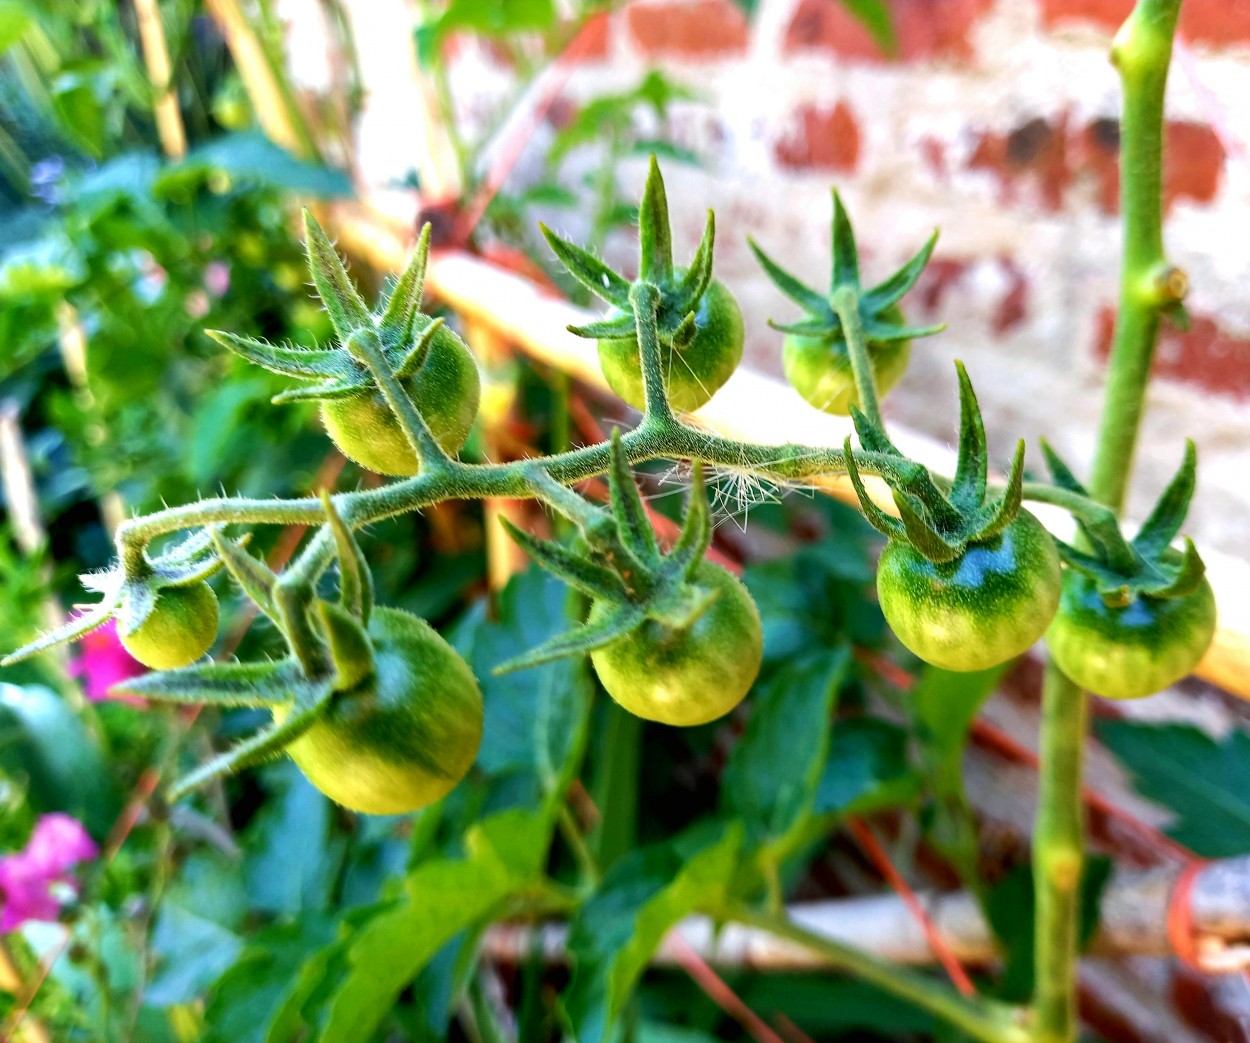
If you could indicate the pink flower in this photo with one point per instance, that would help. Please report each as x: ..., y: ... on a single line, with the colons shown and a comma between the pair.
x: 28, y: 878
x: 217, y: 278
x: 103, y: 662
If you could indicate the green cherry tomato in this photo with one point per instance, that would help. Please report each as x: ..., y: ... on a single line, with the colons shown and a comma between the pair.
x: 819, y: 368
x: 986, y: 607
x: 181, y: 627
x: 692, y: 676
x: 446, y: 390
x: 1125, y: 653
x: 693, y: 374
x: 403, y: 737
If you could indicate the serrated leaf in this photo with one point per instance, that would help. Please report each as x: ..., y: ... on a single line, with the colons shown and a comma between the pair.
x: 773, y: 772
x: 535, y: 720
x: 646, y: 893
x: 1205, y: 782
x: 338, y: 293
x: 866, y: 770
x: 504, y: 855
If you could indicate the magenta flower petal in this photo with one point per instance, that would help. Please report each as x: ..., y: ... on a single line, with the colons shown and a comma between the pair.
x: 57, y: 844
x: 103, y: 662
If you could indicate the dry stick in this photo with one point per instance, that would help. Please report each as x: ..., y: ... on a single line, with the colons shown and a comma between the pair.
x: 165, y: 100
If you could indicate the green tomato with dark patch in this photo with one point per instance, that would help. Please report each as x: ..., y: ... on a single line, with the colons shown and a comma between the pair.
x: 181, y: 627
x: 689, y: 676
x: 987, y: 606
x: 692, y: 374
x: 446, y: 391
x: 819, y: 368
x: 1130, y: 651
x: 404, y: 736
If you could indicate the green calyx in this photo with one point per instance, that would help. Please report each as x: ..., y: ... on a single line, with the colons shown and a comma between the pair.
x: 680, y: 290
x: 879, y: 320
x: 1148, y: 565
x: 398, y: 329
x: 941, y: 525
x: 131, y: 599
x: 620, y: 563
x: 331, y: 654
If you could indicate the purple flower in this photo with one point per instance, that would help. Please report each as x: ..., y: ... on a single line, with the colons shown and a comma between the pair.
x: 103, y: 662
x: 29, y: 879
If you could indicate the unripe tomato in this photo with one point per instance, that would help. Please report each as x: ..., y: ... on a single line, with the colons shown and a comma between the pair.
x: 403, y: 737
x: 692, y: 676
x: 693, y: 374
x: 984, y: 608
x: 181, y: 627
x: 819, y: 368
x: 446, y: 390
x: 1125, y: 653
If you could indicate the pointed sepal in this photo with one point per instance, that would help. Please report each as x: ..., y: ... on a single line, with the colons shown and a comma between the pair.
x: 351, y: 651
x: 415, y: 358
x: 874, y: 515
x: 355, y: 579
x: 341, y: 299
x: 889, y: 292
x: 220, y: 684
x: 577, y: 571
x: 1165, y: 520
x: 971, y: 465
x: 588, y: 270
x: 627, y: 507
x: 611, y: 626
x: 655, y: 234
x: 845, y: 252
x: 396, y: 324
x: 254, y: 577
x: 302, y: 363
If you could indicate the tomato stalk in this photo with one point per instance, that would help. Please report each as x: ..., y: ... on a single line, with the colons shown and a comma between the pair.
x: 845, y: 304
x: 988, y: 1020
x: 1148, y: 288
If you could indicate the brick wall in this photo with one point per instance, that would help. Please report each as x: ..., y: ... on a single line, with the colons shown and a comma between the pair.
x: 998, y: 123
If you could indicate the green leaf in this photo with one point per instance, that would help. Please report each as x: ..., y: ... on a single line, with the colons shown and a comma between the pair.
x: 293, y: 859
x: 498, y: 17
x: 39, y: 267
x: 246, y: 999
x: 1204, y: 781
x: 943, y: 706
x: 14, y: 20
x: 771, y: 779
x: 535, y: 720
x: 192, y: 952
x: 61, y: 759
x: 504, y: 855
x: 615, y: 933
x: 867, y: 769
x: 874, y: 15
x: 252, y: 157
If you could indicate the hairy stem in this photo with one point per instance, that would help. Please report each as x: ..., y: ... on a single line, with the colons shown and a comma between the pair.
x: 988, y: 1020
x: 1141, y: 53
x: 845, y: 303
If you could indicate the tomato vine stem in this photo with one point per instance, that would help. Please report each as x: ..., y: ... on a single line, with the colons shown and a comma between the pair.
x: 988, y: 1020
x: 1141, y: 53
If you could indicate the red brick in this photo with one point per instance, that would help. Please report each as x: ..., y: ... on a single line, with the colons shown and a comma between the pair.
x: 926, y: 29
x: 1033, y: 156
x: 940, y: 276
x: 1206, y: 355
x: 1013, y: 307
x: 701, y: 30
x: 1193, y: 162
x: 824, y: 139
x: 1217, y: 23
